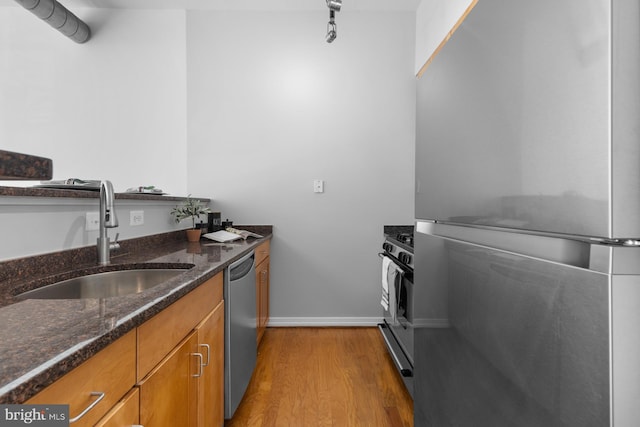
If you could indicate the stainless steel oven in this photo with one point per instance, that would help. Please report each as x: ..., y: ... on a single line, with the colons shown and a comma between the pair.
x: 397, y: 323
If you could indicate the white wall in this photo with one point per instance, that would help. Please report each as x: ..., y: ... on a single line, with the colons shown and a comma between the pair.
x: 113, y: 108
x: 434, y: 20
x: 34, y: 225
x: 271, y: 107
x: 261, y: 86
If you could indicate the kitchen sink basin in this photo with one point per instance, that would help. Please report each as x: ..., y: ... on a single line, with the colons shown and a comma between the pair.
x: 104, y: 285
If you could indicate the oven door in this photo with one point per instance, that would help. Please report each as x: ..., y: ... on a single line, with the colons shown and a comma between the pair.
x: 401, y: 324
x: 397, y: 330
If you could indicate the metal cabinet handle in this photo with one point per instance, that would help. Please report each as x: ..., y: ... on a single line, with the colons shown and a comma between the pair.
x: 199, y: 374
x: 208, y: 347
x: 90, y: 407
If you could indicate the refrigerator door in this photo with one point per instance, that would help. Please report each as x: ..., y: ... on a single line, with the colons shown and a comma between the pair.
x: 527, y: 119
x: 509, y: 339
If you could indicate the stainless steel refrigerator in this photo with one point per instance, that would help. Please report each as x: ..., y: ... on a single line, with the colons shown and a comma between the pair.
x: 528, y: 219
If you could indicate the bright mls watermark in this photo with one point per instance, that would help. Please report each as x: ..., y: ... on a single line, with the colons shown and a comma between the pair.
x: 34, y: 415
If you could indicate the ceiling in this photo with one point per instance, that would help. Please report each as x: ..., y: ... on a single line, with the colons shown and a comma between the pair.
x: 277, y: 5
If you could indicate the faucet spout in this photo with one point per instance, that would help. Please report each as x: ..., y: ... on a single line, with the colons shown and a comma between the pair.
x: 108, y: 219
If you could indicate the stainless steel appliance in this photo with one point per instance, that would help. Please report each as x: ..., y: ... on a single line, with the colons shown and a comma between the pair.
x: 396, y: 327
x: 240, y: 330
x: 528, y: 218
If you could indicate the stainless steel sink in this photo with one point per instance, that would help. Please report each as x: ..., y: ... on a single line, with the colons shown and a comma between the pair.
x: 104, y: 285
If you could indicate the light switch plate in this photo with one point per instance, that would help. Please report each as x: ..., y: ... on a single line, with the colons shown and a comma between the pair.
x: 318, y: 186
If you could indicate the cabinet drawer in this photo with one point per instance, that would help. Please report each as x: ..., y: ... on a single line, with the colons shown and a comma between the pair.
x: 160, y: 334
x: 112, y: 371
x: 262, y: 251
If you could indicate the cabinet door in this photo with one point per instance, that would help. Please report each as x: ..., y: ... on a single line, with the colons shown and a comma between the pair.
x: 168, y: 395
x: 211, y: 383
x: 264, y: 294
x: 262, y: 300
x: 125, y: 413
x: 262, y: 251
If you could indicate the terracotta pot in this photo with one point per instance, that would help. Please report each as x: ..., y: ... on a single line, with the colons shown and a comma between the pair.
x: 193, y: 235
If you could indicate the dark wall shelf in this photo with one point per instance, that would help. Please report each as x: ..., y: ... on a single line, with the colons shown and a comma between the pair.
x: 84, y: 194
x: 18, y: 166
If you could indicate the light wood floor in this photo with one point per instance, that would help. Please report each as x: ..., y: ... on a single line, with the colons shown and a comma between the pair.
x: 307, y: 377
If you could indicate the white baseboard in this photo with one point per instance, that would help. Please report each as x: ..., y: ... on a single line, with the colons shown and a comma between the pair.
x: 275, y: 322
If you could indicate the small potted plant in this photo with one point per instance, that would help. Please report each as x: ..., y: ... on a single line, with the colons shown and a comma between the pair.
x: 190, y: 208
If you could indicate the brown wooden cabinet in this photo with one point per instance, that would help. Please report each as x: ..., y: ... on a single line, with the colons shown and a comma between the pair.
x: 160, y: 334
x: 187, y: 386
x: 211, y: 383
x: 124, y: 413
x: 168, y: 395
x: 110, y: 374
x: 262, y: 288
x: 167, y: 372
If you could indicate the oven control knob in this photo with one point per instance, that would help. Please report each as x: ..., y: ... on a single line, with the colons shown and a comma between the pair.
x: 387, y: 247
x: 404, y: 258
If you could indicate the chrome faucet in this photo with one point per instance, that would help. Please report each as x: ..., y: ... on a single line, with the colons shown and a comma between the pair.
x: 108, y: 219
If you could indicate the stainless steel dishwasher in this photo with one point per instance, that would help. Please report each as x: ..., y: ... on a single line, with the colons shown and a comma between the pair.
x: 240, y: 330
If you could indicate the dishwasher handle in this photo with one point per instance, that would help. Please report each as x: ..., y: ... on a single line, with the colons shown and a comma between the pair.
x: 242, y: 267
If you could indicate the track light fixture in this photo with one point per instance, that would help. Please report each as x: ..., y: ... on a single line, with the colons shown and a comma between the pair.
x: 332, y: 30
x: 334, y: 5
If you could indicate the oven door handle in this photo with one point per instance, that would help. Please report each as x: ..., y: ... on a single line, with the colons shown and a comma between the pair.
x: 396, y: 261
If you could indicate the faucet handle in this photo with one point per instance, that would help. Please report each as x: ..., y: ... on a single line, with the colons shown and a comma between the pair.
x: 115, y: 245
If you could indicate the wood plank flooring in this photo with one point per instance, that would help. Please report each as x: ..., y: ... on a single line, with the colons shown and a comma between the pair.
x: 307, y: 377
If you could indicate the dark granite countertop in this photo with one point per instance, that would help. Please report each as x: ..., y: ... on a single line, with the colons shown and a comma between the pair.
x: 41, y: 340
